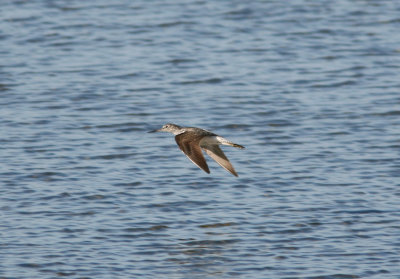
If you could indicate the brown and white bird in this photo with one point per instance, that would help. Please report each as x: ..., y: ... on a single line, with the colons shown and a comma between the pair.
x: 192, y: 140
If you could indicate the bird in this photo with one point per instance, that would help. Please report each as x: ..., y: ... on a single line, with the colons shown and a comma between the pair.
x: 192, y: 140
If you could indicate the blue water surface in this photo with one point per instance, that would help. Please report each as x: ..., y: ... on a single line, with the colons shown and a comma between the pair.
x: 311, y: 88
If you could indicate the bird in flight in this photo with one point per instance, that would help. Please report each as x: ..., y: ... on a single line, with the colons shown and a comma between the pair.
x: 192, y: 140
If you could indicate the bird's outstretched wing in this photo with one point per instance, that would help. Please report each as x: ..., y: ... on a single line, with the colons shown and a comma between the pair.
x: 191, y: 148
x: 216, y: 153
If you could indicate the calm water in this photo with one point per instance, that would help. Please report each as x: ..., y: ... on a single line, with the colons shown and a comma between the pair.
x: 311, y: 88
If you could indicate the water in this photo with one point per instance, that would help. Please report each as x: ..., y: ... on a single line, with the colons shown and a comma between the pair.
x: 311, y: 88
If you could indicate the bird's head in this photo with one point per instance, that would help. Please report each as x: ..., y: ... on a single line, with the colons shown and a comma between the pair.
x: 169, y: 127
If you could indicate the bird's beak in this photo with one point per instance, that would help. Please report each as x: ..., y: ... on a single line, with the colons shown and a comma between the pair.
x: 158, y: 130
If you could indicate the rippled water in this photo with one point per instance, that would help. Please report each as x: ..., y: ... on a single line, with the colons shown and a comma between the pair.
x: 311, y: 88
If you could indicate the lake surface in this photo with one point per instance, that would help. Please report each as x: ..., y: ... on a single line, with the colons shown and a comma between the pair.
x: 311, y: 88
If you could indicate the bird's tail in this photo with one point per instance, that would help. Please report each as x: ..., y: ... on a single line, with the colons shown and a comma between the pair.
x: 238, y: 145
x: 227, y: 142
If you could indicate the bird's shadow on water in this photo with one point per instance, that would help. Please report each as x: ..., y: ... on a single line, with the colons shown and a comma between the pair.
x: 202, y: 233
x: 201, y: 258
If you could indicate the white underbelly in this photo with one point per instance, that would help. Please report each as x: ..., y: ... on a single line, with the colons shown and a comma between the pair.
x: 213, y: 140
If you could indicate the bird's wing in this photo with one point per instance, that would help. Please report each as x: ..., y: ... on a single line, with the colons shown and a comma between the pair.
x: 216, y: 153
x: 192, y: 150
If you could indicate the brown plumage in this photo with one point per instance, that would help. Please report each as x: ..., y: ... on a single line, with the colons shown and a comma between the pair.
x: 193, y: 140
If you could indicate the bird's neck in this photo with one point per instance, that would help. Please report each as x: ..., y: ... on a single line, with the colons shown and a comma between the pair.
x: 178, y: 131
